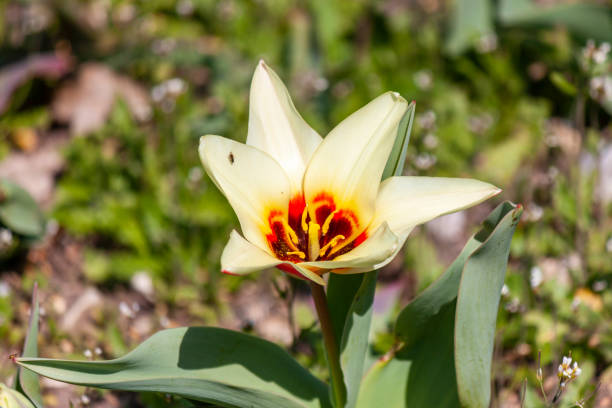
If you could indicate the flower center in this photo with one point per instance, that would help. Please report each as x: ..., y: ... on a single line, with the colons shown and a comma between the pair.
x: 319, y: 231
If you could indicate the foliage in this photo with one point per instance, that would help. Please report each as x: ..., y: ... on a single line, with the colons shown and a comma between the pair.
x: 502, y: 96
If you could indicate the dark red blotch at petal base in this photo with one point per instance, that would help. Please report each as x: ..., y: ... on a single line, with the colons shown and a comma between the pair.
x: 225, y: 271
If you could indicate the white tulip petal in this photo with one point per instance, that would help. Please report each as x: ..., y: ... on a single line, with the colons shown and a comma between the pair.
x: 308, y: 274
x: 240, y: 257
x: 377, y: 248
x: 276, y: 127
x: 252, y: 181
x: 404, y: 202
x: 349, y: 162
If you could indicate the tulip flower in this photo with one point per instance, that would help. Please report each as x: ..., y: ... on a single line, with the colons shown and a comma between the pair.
x: 310, y: 205
x: 9, y: 398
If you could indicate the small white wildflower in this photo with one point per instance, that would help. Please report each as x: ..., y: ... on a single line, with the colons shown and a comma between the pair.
x: 425, y: 161
x: 600, y: 88
x: 184, y: 8
x: 609, y: 245
x: 430, y: 141
x: 426, y: 120
x: 601, y: 54
x: 598, y: 55
x: 142, y: 282
x: 487, y: 43
x: 125, y: 310
x: 513, y: 306
x: 535, y: 277
x: 175, y: 86
x: 52, y: 227
x: 539, y: 374
x: 553, y: 172
x: 599, y: 285
x: 158, y: 92
x: 163, y: 46
x: 505, y: 291
x: 568, y: 372
x: 6, y: 238
x: 98, y: 351
x: 423, y: 79
x: 85, y: 400
x: 5, y: 289
x: 534, y: 212
x: 479, y: 124
x: 320, y: 84
x: 195, y: 174
x: 88, y: 354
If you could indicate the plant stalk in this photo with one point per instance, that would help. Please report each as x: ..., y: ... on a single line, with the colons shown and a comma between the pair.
x: 331, y: 345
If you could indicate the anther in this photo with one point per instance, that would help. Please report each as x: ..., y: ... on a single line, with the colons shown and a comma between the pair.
x: 291, y: 233
x: 328, y: 221
x: 335, y: 240
x: 300, y: 254
x: 304, y: 223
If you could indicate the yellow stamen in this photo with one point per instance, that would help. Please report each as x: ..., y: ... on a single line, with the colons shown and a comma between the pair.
x: 328, y: 221
x: 300, y: 254
x: 313, y: 240
x: 304, y: 215
x: 291, y: 232
x: 335, y: 240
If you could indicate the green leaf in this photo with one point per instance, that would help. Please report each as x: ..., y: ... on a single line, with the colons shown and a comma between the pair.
x: 26, y: 381
x: 350, y: 299
x: 435, y: 347
x: 206, y: 364
x: 476, y: 315
x: 471, y: 20
x: 18, y: 210
x: 582, y: 19
x: 397, y: 157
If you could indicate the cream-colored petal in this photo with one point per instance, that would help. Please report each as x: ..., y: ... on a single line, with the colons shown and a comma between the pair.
x: 376, y: 249
x: 349, y: 162
x: 252, y: 181
x: 308, y: 274
x: 276, y: 127
x: 240, y: 257
x: 404, y: 202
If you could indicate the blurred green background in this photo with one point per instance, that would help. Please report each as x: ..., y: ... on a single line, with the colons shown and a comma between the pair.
x: 102, y: 104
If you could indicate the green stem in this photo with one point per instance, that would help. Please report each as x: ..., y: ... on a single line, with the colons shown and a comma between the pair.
x: 331, y: 346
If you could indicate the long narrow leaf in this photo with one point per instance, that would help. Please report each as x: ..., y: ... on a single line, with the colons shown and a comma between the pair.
x: 27, y: 381
x: 477, y: 304
x: 213, y: 365
x: 427, y: 368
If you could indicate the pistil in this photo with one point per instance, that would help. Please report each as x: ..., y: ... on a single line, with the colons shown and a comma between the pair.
x: 313, y: 241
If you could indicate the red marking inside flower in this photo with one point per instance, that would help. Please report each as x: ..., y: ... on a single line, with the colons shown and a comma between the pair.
x: 338, y: 231
x: 290, y: 270
x: 225, y: 271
